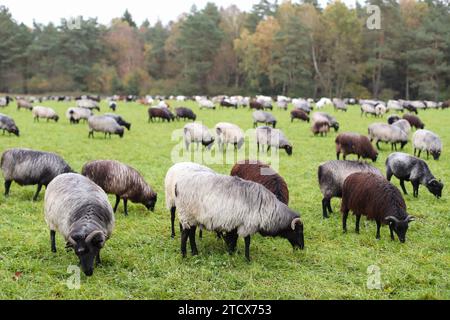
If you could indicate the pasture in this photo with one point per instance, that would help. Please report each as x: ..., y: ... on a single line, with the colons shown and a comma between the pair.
x: 141, y: 261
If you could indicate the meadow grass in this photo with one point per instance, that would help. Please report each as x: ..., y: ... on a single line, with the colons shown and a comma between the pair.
x: 141, y: 261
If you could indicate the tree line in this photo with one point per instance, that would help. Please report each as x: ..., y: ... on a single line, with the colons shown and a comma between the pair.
x: 290, y: 48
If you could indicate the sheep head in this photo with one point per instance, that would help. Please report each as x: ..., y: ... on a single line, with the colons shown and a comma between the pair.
x: 87, y: 248
x: 400, y: 227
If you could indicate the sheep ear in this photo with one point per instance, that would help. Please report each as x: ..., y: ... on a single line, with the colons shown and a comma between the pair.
x: 392, y: 219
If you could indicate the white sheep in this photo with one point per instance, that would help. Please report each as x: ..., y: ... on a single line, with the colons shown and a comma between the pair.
x: 425, y: 140
x: 76, y: 114
x: 228, y: 133
x: 44, y: 112
x: 267, y: 136
x: 387, y: 133
x: 197, y: 133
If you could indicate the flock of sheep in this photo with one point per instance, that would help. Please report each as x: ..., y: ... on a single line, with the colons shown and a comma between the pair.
x: 252, y: 199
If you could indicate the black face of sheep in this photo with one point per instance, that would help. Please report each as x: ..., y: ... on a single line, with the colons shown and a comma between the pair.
x: 208, y: 144
x: 335, y: 126
x: 151, y: 205
x: 288, y: 150
x: 435, y: 187
x: 295, y: 235
x: 403, y: 144
x: 120, y: 132
x: 15, y: 131
x: 399, y: 227
x: 87, y: 249
x: 436, y: 154
x: 56, y: 118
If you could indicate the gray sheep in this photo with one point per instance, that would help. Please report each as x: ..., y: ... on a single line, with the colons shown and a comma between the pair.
x: 7, y: 124
x: 387, y: 133
x: 409, y: 168
x: 332, y: 175
x: 44, y: 112
x: 80, y: 211
x: 197, y: 133
x: 76, y: 114
x: 228, y: 133
x: 265, y: 118
x: 121, y: 180
x: 120, y: 121
x: 425, y: 140
x: 235, y: 206
x: 29, y: 167
x: 104, y: 124
x: 266, y: 136
x: 23, y: 104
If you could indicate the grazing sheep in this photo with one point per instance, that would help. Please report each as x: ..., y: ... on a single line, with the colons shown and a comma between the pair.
x: 299, y: 114
x: 206, y: 104
x: 76, y: 114
x: 121, y: 180
x: 185, y: 114
x: 44, y: 112
x: 104, y: 124
x: 354, y: 143
x: 7, y: 124
x: 373, y: 196
x: 80, y: 211
x: 226, y: 103
x: 29, y: 167
x: 88, y: 104
x: 267, y: 136
x: 323, y: 102
x: 368, y: 109
x: 394, y: 106
x: 163, y: 114
x: 302, y: 104
x: 197, y: 133
x: 409, y: 168
x: 113, y: 106
x: 256, y: 105
x: 404, y: 125
x: 320, y: 127
x: 393, y: 118
x: 264, y: 117
x: 387, y: 133
x: 263, y: 174
x: 380, y: 109
x: 23, y: 104
x: 332, y: 175
x: 322, y: 117
x: 414, y: 121
x: 174, y: 174
x: 237, y: 207
x: 228, y: 133
x: 339, y: 104
x: 425, y: 140
x: 410, y: 107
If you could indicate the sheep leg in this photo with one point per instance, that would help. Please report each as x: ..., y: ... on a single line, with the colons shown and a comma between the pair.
x: 418, y: 155
x: 172, y: 220
x: 358, y: 219
x: 415, y: 151
x: 52, y: 241
x: 247, y: 247
x: 378, y: 230
x: 231, y: 241
x: 415, y: 188
x: 194, y: 250
x: 391, y: 229
x: 184, y: 237
x: 338, y: 154
x: 39, y: 187
x: 428, y: 155
x: 402, y: 184
x: 125, y: 206
x: 378, y: 145
x: 200, y: 233
x: 344, y: 220
x: 7, y: 187
x: 97, y: 259
x: 324, y: 208
x: 117, y: 203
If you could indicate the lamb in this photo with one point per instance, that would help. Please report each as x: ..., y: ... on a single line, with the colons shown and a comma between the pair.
x: 237, y: 207
x: 369, y: 194
x: 263, y: 174
x: 393, y: 118
x: 414, y: 121
x: 121, y: 180
x: 44, y: 112
x: 264, y: 117
x: 29, y: 167
x: 404, y: 125
x: 267, y: 136
x: 174, y: 174
x: 322, y: 117
x: 354, y: 143
x: 387, y: 133
x: 23, y: 104
x: 299, y: 114
x: 104, y: 124
x: 185, y: 113
x: 409, y: 168
x: 197, y: 133
x: 425, y: 140
x: 7, y: 124
x: 332, y: 175
x: 76, y: 114
x: 163, y: 114
x: 320, y: 127
x: 228, y: 133
x: 80, y: 211
x: 120, y: 121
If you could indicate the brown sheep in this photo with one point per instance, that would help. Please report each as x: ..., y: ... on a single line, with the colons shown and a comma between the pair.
x: 414, y: 121
x: 160, y: 113
x: 263, y: 174
x: 321, y: 127
x: 354, y: 143
x: 376, y: 198
x: 121, y: 180
x: 299, y: 114
x: 256, y: 105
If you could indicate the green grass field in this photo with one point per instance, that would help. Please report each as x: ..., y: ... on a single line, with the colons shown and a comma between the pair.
x: 141, y: 261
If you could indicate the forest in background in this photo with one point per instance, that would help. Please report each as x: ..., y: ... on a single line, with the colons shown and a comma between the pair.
x: 292, y: 48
